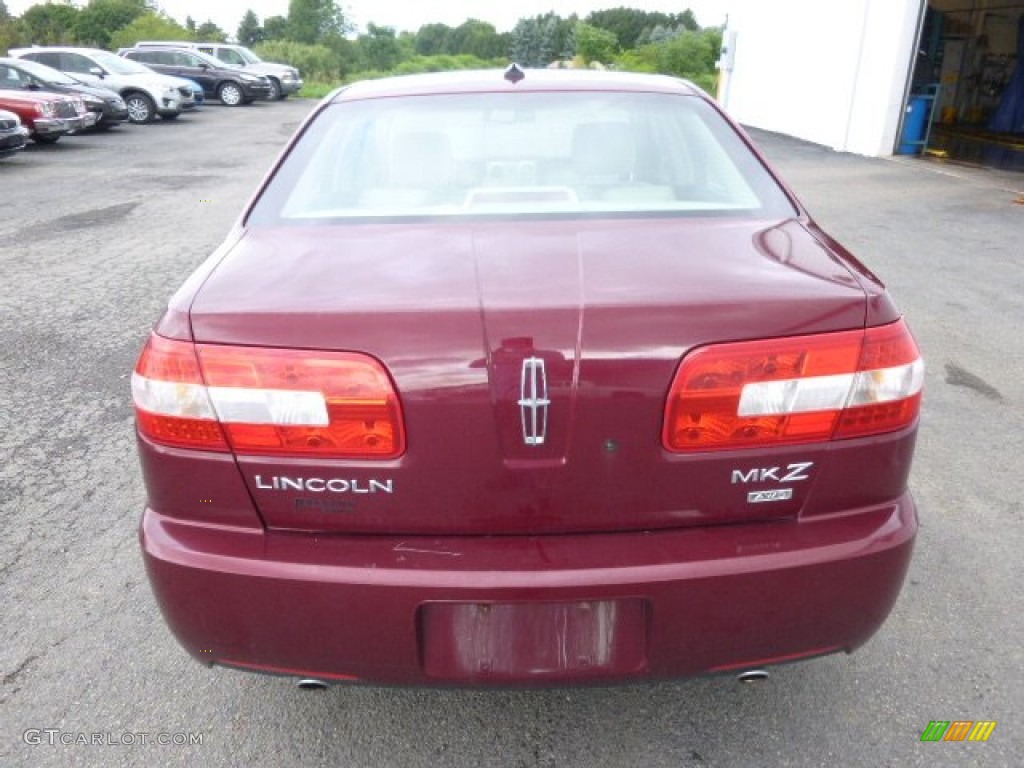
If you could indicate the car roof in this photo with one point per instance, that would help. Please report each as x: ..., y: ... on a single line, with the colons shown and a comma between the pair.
x: 179, y: 44
x: 62, y: 48
x: 16, y: 95
x: 494, y: 80
x: 16, y: 63
x: 159, y: 47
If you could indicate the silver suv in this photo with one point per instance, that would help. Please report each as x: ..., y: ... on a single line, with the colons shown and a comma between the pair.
x: 284, y: 80
x: 146, y: 93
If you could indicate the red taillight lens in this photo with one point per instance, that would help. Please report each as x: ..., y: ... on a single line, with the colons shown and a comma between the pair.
x: 794, y: 390
x: 171, y: 403
x: 887, y: 391
x: 283, y: 402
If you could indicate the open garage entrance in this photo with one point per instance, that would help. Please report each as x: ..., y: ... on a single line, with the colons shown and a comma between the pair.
x: 967, y: 86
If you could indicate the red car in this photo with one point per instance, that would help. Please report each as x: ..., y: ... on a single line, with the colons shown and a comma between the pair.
x: 540, y: 378
x: 47, y: 115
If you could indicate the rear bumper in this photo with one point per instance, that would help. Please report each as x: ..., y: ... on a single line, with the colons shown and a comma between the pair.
x: 409, y: 611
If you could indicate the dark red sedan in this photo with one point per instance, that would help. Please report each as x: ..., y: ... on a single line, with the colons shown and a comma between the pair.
x: 525, y: 380
x: 48, y: 116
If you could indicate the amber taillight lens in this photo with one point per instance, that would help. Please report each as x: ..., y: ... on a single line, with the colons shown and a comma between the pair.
x: 257, y: 400
x: 794, y: 390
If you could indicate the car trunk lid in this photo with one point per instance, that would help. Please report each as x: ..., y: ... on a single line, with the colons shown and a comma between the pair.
x: 532, y: 360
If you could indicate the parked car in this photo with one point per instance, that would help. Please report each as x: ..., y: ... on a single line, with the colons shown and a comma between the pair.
x: 107, y: 105
x: 13, y: 135
x: 146, y: 93
x: 197, y: 93
x: 284, y: 79
x: 540, y: 378
x: 233, y: 86
x: 48, y: 116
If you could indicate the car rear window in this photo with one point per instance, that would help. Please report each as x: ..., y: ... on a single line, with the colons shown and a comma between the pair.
x: 526, y: 153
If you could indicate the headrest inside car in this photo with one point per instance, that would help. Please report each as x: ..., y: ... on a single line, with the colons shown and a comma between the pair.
x: 603, y: 152
x: 421, y: 159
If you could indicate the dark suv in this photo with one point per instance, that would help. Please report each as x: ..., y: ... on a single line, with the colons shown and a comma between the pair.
x: 233, y: 86
x: 284, y: 79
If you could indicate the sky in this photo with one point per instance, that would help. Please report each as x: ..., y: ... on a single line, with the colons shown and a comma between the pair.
x: 411, y: 14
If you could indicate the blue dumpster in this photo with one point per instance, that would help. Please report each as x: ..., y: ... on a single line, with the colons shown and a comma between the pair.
x: 915, y: 125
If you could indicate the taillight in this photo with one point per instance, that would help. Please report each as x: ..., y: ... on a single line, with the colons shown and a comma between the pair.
x: 283, y: 402
x: 172, y: 405
x: 795, y: 390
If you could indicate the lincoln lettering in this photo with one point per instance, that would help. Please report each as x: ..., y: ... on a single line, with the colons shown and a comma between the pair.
x: 323, y: 485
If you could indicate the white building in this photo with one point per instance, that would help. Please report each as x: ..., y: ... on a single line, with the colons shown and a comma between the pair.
x: 841, y: 72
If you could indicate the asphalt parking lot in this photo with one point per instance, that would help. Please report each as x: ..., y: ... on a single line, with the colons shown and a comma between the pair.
x: 98, y: 230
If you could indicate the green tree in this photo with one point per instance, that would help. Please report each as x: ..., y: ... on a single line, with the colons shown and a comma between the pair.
x: 49, y: 24
x: 190, y: 24
x: 101, y: 18
x: 686, y: 55
x: 10, y: 30
x: 317, y: 63
x: 688, y: 20
x: 345, y: 54
x: 632, y: 27
x: 433, y: 39
x: 537, y: 41
x: 595, y: 44
x: 311, y: 21
x: 690, y: 55
x: 713, y: 50
x: 625, y: 23
x: 441, y: 63
x: 379, y: 48
x: 477, y: 38
x: 249, y: 30
x: 659, y: 34
x: 149, y: 26
x: 211, y: 33
x: 275, y: 28
x: 642, y: 59
x: 526, y: 43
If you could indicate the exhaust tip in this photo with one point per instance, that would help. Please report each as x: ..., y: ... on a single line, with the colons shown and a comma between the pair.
x: 752, y: 676
x: 311, y: 684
